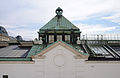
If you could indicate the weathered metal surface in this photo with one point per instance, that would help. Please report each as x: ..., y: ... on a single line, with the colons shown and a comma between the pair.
x: 61, y: 23
x: 13, y: 51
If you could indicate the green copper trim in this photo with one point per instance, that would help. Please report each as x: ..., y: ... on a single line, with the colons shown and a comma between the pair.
x: 78, y: 50
x: 15, y: 59
x: 33, y: 50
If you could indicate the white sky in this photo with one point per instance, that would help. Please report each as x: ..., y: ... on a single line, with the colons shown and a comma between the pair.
x: 26, y: 17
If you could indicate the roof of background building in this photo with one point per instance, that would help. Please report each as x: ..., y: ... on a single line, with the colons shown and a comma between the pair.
x: 3, y: 31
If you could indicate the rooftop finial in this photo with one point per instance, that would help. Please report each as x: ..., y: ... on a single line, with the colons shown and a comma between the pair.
x: 59, y: 11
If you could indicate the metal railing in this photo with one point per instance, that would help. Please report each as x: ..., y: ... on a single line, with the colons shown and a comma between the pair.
x: 100, y: 37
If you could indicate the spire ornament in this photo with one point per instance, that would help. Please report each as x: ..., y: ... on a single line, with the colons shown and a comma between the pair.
x: 59, y: 11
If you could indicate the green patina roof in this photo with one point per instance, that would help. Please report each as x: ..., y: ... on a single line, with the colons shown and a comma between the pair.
x: 38, y: 48
x: 59, y: 23
x: 35, y: 49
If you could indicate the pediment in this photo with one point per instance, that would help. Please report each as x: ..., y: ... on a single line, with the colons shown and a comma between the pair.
x: 78, y: 54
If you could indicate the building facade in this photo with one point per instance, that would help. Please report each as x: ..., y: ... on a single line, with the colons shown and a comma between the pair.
x: 59, y: 53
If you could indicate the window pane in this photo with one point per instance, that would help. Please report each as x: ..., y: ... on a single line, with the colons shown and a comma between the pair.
x: 67, y: 38
x: 51, y: 38
x: 59, y: 37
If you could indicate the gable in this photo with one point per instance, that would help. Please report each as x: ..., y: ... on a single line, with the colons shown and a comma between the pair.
x: 60, y: 43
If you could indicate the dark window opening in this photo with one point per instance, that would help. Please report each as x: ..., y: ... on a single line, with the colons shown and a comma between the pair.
x: 5, y: 76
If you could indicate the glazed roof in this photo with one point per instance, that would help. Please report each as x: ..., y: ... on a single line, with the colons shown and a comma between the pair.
x: 13, y: 51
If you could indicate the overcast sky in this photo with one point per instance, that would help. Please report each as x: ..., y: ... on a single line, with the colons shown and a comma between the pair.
x: 26, y: 17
